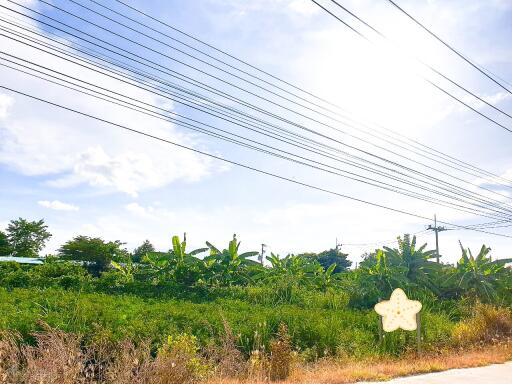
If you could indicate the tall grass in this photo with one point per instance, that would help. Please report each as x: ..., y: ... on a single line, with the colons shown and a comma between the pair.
x: 318, y: 331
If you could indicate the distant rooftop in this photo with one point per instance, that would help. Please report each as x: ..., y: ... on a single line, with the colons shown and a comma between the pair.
x: 22, y: 260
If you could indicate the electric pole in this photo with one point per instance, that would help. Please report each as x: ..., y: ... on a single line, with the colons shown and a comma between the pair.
x: 260, y: 257
x: 338, y: 245
x: 436, y: 229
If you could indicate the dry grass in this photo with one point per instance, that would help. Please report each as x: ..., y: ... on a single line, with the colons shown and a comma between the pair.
x: 280, y: 355
x: 11, y: 358
x: 489, y: 324
x: 59, y: 357
x: 331, y: 371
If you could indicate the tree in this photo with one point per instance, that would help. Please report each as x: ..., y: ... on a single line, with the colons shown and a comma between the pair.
x: 328, y: 258
x: 228, y: 267
x: 141, y: 251
x: 5, y: 246
x: 479, y: 276
x: 27, y: 238
x: 176, y: 265
x: 95, y: 252
x: 334, y: 256
x: 418, y: 264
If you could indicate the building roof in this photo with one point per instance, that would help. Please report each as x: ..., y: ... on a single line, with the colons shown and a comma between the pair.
x: 22, y: 260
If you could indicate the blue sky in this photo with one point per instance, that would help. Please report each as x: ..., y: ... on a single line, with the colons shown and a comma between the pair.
x: 84, y: 177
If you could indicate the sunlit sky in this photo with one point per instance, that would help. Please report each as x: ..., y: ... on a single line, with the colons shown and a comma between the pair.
x: 87, y: 178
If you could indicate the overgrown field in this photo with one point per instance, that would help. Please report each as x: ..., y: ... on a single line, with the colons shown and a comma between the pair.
x: 313, y: 330
x: 182, y: 317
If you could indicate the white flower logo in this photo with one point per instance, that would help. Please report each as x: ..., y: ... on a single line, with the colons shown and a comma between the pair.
x: 398, y: 312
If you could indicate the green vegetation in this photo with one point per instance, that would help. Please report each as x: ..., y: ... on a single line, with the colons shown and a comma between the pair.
x: 306, y: 303
x: 27, y: 238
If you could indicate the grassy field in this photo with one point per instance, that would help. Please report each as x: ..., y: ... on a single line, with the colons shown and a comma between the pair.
x: 174, y: 318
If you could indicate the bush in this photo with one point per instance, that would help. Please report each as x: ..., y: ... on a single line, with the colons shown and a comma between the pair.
x: 178, y: 361
x: 280, y: 355
x: 488, y: 324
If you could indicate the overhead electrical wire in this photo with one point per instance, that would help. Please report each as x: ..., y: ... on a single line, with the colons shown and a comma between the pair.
x: 243, y: 62
x: 118, y: 53
x: 430, y: 67
x: 309, y: 159
x: 484, y: 71
x: 194, y: 127
x: 233, y: 162
x: 438, y: 87
x: 382, y: 242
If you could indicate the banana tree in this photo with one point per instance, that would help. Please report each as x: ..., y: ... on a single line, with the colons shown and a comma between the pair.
x: 228, y: 266
x: 324, y: 279
x: 177, y: 264
x: 479, y: 276
x: 417, y: 263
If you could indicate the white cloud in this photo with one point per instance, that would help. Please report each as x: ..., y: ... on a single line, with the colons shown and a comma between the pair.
x: 40, y: 140
x: 5, y: 103
x: 304, y: 7
x: 58, y: 205
x: 497, y: 97
x: 149, y: 212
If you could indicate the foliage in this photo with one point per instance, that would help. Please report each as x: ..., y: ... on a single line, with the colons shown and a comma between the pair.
x: 177, y: 264
x: 96, y: 290
x: 141, y: 251
x: 228, y: 267
x: 486, y: 324
x: 406, y: 266
x: 479, y: 276
x: 416, y: 262
x: 27, y: 238
x: 179, y: 358
x: 330, y: 257
x: 121, y: 317
x: 5, y: 246
x: 94, y: 252
x: 52, y: 273
x: 280, y: 355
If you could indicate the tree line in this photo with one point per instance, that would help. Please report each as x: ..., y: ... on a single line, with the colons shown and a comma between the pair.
x: 408, y: 266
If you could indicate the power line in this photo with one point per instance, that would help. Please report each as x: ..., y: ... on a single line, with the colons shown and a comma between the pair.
x: 426, y: 64
x: 444, y: 195
x: 310, y: 186
x: 237, y: 100
x: 382, y: 242
x: 194, y: 127
x: 173, y: 28
x: 478, y: 67
x: 467, y: 105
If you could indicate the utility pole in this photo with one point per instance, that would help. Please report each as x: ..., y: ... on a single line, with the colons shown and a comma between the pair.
x: 436, y: 229
x: 260, y: 257
x: 338, y: 245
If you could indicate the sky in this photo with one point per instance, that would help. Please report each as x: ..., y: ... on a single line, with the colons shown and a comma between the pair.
x: 85, y: 177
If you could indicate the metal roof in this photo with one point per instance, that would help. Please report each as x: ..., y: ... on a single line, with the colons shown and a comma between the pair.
x: 22, y: 260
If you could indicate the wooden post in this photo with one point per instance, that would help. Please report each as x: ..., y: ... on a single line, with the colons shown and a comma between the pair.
x: 418, y: 331
x: 381, y: 332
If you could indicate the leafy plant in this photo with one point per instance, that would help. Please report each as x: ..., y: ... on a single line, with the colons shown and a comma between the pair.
x: 228, y: 267
x: 177, y: 265
x: 479, y: 276
x: 27, y: 238
x: 95, y: 253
